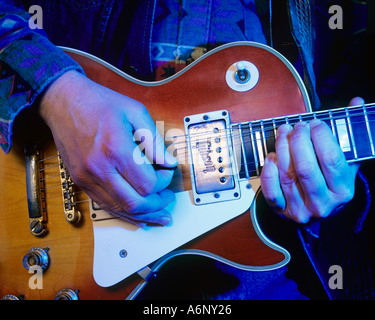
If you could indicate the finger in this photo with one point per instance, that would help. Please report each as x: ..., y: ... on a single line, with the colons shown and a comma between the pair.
x: 293, y: 193
x: 270, y: 182
x: 132, y: 202
x: 142, y: 176
x: 306, y: 165
x: 154, y: 146
x: 357, y: 101
x: 162, y: 217
x: 106, y: 202
x: 107, y: 176
x: 124, y: 154
x: 332, y: 160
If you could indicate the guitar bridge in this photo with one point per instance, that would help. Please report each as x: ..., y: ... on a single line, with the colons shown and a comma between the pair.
x: 72, y: 215
x: 211, y: 157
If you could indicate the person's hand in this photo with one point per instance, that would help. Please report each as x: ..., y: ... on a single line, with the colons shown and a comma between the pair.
x: 94, y: 129
x: 308, y: 176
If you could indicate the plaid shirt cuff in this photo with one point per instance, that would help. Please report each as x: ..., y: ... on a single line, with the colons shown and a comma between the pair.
x: 27, y: 66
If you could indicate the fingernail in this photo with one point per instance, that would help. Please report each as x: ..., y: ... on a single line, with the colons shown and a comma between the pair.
x: 283, y: 129
x: 357, y: 101
x: 165, y: 220
x: 170, y: 160
x: 301, y: 124
x: 315, y: 122
x: 140, y: 224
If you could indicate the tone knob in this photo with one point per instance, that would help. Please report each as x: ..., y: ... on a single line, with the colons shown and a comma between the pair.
x: 36, y: 257
x: 67, y: 294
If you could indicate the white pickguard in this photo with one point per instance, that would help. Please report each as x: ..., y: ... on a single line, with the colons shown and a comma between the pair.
x: 145, y: 245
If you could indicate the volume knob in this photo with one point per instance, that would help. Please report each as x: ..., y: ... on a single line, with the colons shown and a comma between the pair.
x: 242, y: 76
x: 67, y: 294
x: 36, y: 257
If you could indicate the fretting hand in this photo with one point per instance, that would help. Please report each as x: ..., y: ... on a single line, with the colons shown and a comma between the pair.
x: 308, y: 176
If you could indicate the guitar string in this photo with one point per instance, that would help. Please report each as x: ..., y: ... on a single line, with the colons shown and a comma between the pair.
x: 240, y: 167
x: 45, y: 159
x: 266, y: 129
x: 59, y: 205
x: 292, y: 116
x: 271, y: 128
x: 317, y: 114
x: 229, y: 129
x: 179, y: 155
x: 60, y: 195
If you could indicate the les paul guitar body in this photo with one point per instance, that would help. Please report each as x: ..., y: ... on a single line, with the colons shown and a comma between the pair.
x: 79, y: 253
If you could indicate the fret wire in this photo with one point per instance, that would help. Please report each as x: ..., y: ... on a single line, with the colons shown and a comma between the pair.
x: 287, y: 120
x: 320, y: 112
x: 274, y: 128
x: 332, y: 124
x: 256, y: 160
x: 351, y: 133
x: 368, y: 130
x: 264, y: 138
x: 243, y: 154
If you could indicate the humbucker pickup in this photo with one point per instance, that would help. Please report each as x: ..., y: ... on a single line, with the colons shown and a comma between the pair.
x: 211, y: 157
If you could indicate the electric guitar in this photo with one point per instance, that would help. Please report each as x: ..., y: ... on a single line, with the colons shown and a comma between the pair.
x: 210, y: 116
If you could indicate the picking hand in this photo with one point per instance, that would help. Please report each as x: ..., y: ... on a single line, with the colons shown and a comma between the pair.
x: 93, y: 129
x: 308, y: 176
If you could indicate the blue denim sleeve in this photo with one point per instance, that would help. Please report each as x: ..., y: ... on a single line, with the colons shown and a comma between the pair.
x: 29, y: 62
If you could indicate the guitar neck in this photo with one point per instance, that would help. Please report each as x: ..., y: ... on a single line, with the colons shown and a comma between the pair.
x: 353, y: 128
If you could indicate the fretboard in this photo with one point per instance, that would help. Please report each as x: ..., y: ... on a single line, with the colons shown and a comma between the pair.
x: 353, y: 128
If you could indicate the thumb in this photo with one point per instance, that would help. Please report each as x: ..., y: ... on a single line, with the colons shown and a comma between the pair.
x: 356, y: 101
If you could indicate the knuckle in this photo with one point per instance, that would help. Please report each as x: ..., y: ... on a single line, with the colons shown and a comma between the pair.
x: 78, y: 176
x: 109, y: 147
x: 132, y: 206
x: 321, y: 211
x: 275, y: 202
x: 146, y: 188
x: 306, y: 170
x: 270, y: 197
x: 141, y: 108
x: 298, y: 133
x: 301, y: 219
x: 333, y: 158
x: 79, y: 173
x: 349, y: 195
x: 267, y: 176
x: 288, y: 177
x: 346, y: 194
x: 298, y: 216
